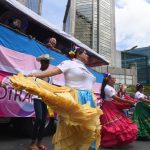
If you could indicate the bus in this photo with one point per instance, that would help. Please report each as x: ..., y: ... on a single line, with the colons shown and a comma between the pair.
x: 18, y: 52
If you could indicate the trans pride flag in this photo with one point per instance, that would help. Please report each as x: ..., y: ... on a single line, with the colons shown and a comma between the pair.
x: 18, y: 54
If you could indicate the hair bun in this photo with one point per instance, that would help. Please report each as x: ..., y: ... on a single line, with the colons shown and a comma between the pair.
x: 138, y: 86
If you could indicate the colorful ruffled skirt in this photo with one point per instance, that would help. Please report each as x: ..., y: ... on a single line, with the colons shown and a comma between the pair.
x: 117, y: 129
x: 141, y: 117
x: 78, y: 125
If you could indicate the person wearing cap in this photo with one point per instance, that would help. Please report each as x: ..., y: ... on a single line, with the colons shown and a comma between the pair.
x: 141, y: 115
x: 79, y: 78
x: 117, y: 129
x: 40, y: 107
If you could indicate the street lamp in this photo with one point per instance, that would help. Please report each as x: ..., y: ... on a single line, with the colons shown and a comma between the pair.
x: 125, y: 52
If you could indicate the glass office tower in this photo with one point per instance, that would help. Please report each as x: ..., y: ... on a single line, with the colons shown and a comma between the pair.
x: 93, y: 23
x: 141, y: 58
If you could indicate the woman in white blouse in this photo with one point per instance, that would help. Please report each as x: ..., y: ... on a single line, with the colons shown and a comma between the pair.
x: 117, y: 129
x: 78, y: 77
x: 141, y: 115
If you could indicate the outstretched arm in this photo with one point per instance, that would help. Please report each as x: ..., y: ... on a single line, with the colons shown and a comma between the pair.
x: 145, y: 100
x: 46, y: 73
x: 122, y: 99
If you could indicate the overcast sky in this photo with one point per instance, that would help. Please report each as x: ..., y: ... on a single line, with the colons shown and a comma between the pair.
x: 132, y: 20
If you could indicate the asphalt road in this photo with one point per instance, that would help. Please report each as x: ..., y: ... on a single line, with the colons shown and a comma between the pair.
x: 13, y: 141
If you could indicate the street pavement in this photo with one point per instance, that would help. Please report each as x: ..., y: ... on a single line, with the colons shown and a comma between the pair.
x: 12, y: 141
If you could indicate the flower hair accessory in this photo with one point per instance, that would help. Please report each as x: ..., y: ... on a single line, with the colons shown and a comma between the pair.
x: 76, y: 47
x: 106, y: 75
x: 72, y: 52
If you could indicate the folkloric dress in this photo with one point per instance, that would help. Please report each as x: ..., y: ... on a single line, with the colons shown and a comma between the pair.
x: 79, y: 124
x: 117, y: 129
x: 141, y: 115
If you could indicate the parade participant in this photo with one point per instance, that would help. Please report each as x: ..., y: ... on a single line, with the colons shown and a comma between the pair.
x: 40, y: 108
x: 117, y: 129
x: 121, y: 92
x: 79, y: 124
x: 141, y: 115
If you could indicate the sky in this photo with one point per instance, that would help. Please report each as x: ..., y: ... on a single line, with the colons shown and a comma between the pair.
x: 132, y: 20
x: 54, y: 11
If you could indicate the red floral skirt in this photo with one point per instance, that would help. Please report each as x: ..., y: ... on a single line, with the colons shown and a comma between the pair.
x: 117, y: 129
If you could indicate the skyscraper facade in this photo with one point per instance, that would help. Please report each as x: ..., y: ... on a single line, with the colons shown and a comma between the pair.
x: 93, y: 23
x: 34, y: 5
x: 140, y: 57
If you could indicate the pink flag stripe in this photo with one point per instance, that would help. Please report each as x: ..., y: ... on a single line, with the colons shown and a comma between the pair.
x: 3, y: 75
x: 13, y: 61
x: 97, y: 87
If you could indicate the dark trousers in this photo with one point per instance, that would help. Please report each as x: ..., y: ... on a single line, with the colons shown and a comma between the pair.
x: 41, y: 115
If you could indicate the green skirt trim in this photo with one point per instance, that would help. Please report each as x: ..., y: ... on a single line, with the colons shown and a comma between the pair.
x: 141, y: 117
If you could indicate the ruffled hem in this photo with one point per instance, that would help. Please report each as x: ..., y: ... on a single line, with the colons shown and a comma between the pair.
x: 79, y: 124
x: 117, y: 129
x: 71, y: 137
x: 141, y: 117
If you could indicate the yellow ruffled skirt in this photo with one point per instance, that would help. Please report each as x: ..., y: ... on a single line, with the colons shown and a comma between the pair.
x: 78, y: 124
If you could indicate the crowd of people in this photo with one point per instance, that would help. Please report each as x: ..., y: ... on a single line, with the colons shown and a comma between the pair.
x: 113, y: 128
x: 117, y: 129
x: 20, y: 24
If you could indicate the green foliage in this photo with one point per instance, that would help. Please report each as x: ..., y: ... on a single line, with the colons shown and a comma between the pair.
x: 131, y: 90
x: 147, y: 90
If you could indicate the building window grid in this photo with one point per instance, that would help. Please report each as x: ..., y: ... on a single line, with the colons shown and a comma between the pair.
x: 105, y: 32
x: 121, y: 79
x: 105, y: 10
x: 105, y: 47
x: 104, y: 21
x: 106, y: 36
x: 105, y: 4
x: 105, y: 43
x: 83, y: 1
x: 105, y: 27
x: 105, y: 40
x: 104, y: 17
